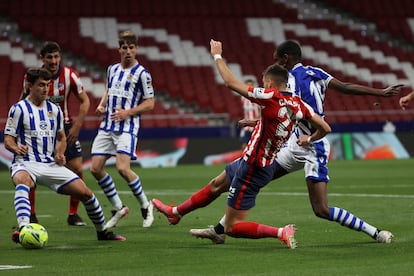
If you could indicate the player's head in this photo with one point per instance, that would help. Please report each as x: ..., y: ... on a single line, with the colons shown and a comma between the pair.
x: 128, y: 47
x: 50, y: 55
x: 249, y: 82
x: 127, y: 37
x: 38, y: 80
x: 33, y: 74
x: 288, y: 54
x: 275, y: 76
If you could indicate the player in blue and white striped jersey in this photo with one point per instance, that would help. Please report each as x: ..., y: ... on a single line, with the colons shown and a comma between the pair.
x: 129, y: 93
x: 34, y: 133
x: 311, y: 83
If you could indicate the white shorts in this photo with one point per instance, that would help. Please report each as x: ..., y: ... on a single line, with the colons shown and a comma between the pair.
x: 50, y: 175
x: 109, y: 143
x: 314, y: 159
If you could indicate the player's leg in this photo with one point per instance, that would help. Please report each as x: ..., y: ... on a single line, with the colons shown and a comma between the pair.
x: 79, y: 190
x: 23, y: 183
x: 126, y: 145
x: 32, y: 198
x: 242, y: 197
x: 107, y: 184
x: 316, y: 172
x: 199, y: 199
x: 216, y: 233
x: 123, y: 165
x: 319, y: 201
x: 75, y: 165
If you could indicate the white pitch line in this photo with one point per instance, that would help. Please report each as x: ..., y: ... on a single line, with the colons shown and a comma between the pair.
x: 263, y: 193
x: 10, y: 267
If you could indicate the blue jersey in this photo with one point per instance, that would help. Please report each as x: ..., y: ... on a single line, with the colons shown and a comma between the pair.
x: 127, y: 88
x: 36, y: 127
x: 310, y: 84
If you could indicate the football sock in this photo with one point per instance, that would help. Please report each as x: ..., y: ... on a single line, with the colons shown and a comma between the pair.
x: 32, y: 199
x: 219, y: 228
x: 108, y: 186
x: 139, y: 193
x: 95, y: 213
x: 254, y: 230
x: 74, y: 202
x: 348, y: 219
x: 199, y: 199
x: 22, y: 204
x: 73, y: 205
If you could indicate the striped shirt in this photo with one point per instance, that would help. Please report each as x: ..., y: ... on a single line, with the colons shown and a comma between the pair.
x: 251, y: 112
x: 63, y: 84
x: 280, y: 114
x: 310, y: 84
x: 36, y: 127
x: 127, y: 88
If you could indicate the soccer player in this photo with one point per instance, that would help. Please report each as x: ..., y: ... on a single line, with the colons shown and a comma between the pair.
x: 129, y: 94
x: 251, y: 111
x: 65, y: 82
x: 281, y: 112
x: 310, y: 83
x: 404, y: 101
x: 35, y: 134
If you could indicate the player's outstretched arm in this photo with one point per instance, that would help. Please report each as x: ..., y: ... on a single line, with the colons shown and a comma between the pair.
x: 356, y: 89
x: 404, y: 101
x: 228, y: 77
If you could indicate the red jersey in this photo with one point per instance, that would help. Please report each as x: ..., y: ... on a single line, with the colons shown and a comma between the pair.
x: 62, y: 85
x: 280, y: 114
x: 251, y: 111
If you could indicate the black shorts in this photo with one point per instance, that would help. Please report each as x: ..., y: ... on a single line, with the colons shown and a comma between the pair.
x: 73, y: 150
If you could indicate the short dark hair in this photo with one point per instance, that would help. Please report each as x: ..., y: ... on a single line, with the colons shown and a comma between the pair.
x: 291, y: 48
x: 277, y: 72
x: 35, y: 73
x: 127, y: 37
x: 49, y: 47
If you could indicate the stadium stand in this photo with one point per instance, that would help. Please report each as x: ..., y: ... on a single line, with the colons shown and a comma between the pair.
x: 174, y: 46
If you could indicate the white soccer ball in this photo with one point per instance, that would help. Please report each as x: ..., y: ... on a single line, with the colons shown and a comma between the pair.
x: 33, y: 236
x: 385, y: 236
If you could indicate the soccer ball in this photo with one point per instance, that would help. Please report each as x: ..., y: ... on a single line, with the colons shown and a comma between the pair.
x: 33, y: 236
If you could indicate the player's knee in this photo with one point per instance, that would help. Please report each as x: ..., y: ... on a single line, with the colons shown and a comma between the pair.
x: 85, y: 195
x: 218, y: 187
x: 95, y: 171
x: 23, y: 178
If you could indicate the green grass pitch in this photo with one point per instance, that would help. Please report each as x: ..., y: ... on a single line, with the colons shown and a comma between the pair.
x: 379, y: 192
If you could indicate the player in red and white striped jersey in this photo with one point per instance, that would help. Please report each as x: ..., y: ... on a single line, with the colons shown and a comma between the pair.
x: 281, y: 112
x: 64, y: 84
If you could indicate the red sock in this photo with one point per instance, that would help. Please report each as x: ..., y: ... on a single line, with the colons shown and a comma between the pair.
x: 32, y: 201
x: 73, y: 205
x: 253, y: 230
x: 199, y: 199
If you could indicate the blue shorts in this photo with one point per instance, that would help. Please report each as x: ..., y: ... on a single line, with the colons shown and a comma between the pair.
x: 245, y: 136
x: 246, y: 181
x: 73, y: 150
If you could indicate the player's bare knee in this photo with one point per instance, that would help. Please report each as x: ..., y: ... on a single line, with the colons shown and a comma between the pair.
x: 84, y: 195
x: 123, y: 171
x: 218, y: 187
x: 95, y: 171
x: 23, y: 178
